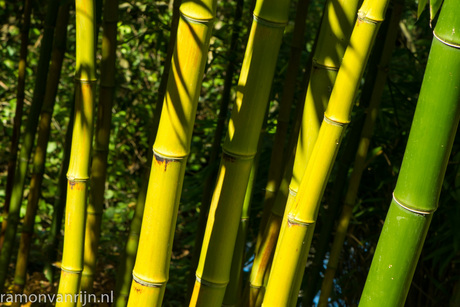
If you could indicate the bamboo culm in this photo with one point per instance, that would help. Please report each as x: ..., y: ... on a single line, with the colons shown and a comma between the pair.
x: 417, y: 191
x: 295, y: 237
x: 80, y: 156
x: 28, y: 139
x: 57, y: 58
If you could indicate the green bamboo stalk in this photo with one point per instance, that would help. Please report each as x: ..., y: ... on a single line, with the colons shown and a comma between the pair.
x: 216, y: 144
x: 101, y: 145
x: 275, y: 169
x: 52, y: 242
x: 171, y: 148
x: 361, y: 155
x: 52, y: 84
x: 127, y: 258
x: 295, y: 237
x: 78, y: 173
x: 334, y: 32
x: 17, y: 115
x: 28, y: 140
x: 422, y: 172
x: 239, y: 149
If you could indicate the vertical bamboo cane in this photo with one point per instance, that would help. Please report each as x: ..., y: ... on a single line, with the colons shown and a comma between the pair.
x: 57, y: 57
x: 127, y: 258
x: 333, y: 37
x: 360, y: 160
x: 78, y: 173
x: 101, y: 146
x: 295, y: 238
x: 28, y: 140
x: 171, y: 149
x: 17, y: 115
x: 239, y: 149
x: 422, y: 172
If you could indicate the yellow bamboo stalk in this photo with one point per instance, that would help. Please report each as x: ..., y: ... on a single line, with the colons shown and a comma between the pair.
x: 333, y: 38
x: 78, y: 173
x: 295, y: 238
x: 171, y: 149
x: 212, y: 275
x: 360, y: 159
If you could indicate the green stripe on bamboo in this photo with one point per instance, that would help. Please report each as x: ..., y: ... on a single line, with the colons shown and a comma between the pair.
x: 171, y: 148
x: 422, y: 172
x: 57, y: 57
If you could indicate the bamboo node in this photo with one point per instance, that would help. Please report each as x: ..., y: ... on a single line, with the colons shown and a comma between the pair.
x: 292, y: 221
x: 268, y: 23
x: 147, y: 283
x: 334, y: 122
x: 411, y: 209
x: 445, y: 42
x: 362, y: 16
x: 194, y: 20
x: 210, y: 284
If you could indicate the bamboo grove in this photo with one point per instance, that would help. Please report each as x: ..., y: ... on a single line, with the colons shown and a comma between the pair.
x: 230, y: 153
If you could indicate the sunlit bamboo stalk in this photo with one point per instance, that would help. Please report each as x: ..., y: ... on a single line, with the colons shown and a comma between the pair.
x: 239, y: 149
x: 360, y: 160
x: 78, y: 173
x: 295, y: 237
x: 333, y: 37
x: 127, y: 258
x: 420, y: 179
x: 101, y: 145
x: 171, y: 148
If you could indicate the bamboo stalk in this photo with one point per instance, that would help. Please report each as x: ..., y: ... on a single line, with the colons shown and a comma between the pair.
x: 295, y: 237
x: 78, y: 173
x: 17, y: 115
x: 52, y: 84
x: 239, y: 149
x: 28, y: 140
x: 275, y: 169
x: 52, y: 242
x: 216, y: 144
x: 101, y: 145
x: 171, y: 148
x: 333, y: 37
x: 361, y: 155
x: 416, y: 195
x: 127, y: 258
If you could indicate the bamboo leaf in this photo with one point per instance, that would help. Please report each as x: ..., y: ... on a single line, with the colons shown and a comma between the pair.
x: 421, y: 7
x: 435, y: 5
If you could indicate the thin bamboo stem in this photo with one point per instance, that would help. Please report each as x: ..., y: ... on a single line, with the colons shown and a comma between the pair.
x: 17, y: 115
x: 295, y: 237
x: 28, y: 140
x: 78, y: 173
x: 57, y: 58
x: 101, y: 145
